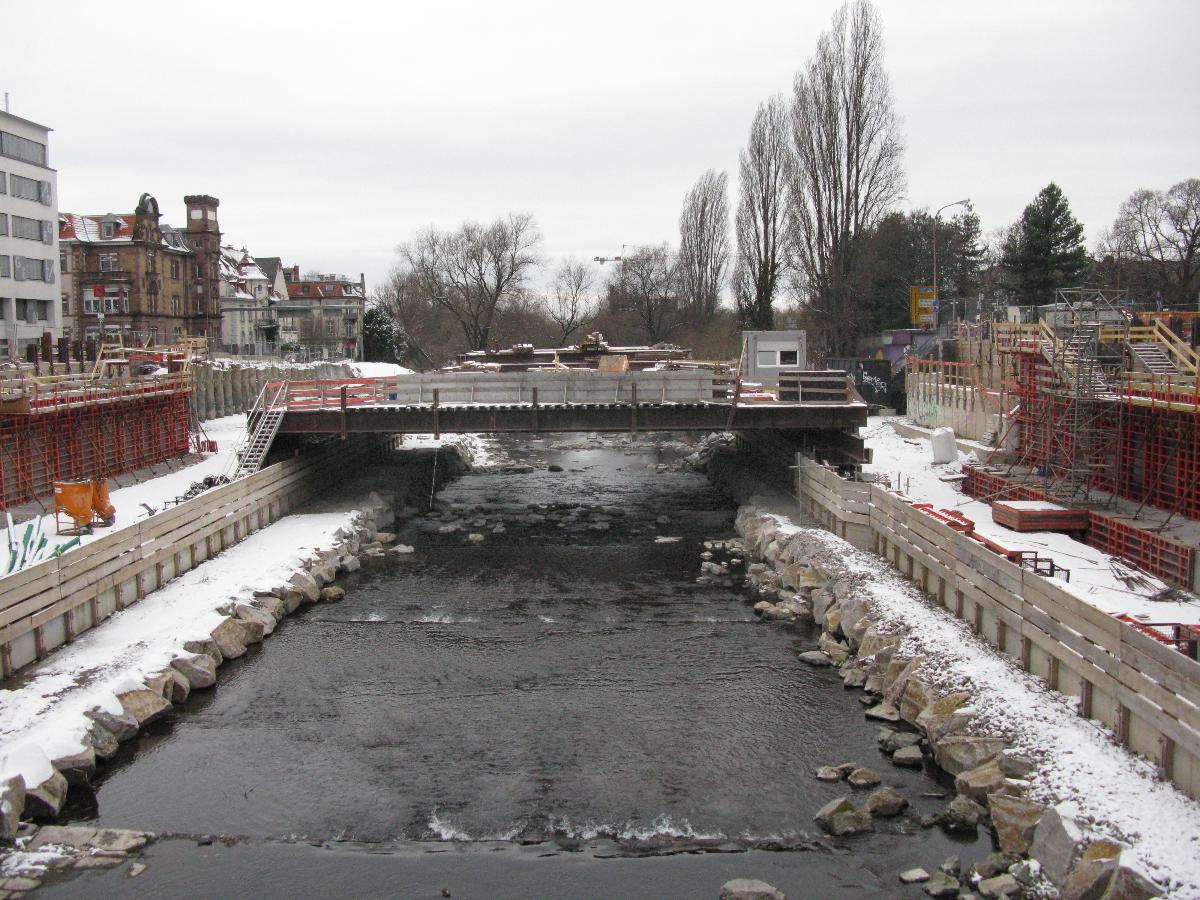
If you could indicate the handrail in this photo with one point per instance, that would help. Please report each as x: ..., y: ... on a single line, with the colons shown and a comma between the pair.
x: 1185, y: 356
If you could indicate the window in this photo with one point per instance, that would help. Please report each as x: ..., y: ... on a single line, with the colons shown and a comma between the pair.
x: 64, y: 262
x: 3, y: 183
x: 16, y: 147
x: 331, y: 327
x: 108, y: 262
x: 151, y: 262
x: 48, y: 271
x: 197, y: 214
x: 3, y: 225
x: 107, y: 230
x: 25, y: 188
x: 766, y: 358
x: 30, y: 229
x: 5, y: 267
x: 66, y: 306
x: 175, y: 268
x: 176, y: 306
x: 788, y: 357
x: 33, y: 311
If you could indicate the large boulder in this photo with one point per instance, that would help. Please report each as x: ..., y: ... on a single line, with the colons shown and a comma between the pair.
x: 332, y: 594
x: 916, y: 696
x: 838, y: 652
x: 909, y: 757
x: 873, y: 640
x: 102, y: 742
x: 144, y: 706
x: 272, y: 606
x: 12, y: 804
x: 252, y: 615
x: 206, y: 647
x: 942, y: 884
x: 750, y: 889
x: 841, y: 817
x: 1000, y: 886
x: 863, y: 777
x: 957, y: 753
x: 230, y: 638
x: 938, y: 718
x: 1090, y: 876
x: 1056, y: 844
x: 44, y: 801
x: 962, y: 815
x: 1129, y: 884
x: 886, y: 801
x: 120, y: 725
x: 199, y: 670
x: 981, y: 781
x: 77, y: 768
x: 307, y: 585
x: 1014, y: 819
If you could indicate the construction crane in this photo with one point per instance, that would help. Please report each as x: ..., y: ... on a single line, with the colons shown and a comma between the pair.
x: 605, y: 259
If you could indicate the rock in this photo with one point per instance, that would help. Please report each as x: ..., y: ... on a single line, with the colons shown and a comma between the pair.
x: 120, y: 840
x: 750, y: 889
x: 914, y: 876
x: 44, y: 801
x: 102, y: 742
x: 324, y: 574
x: 863, y: 777
x: 846, y: 768
x: 77, y: 768
x: 1055, y: 845
x: 886, y: 802
x: 891, y: 740
x: 977, y: 783
x: 1091, y: 876
x: 1129, y: 884
x: 199, y: 670
x: 841, y: 817
x: 896, y: 676
x: 384, y: 537
x: 956, y: 753
x: 833, y: 620
x: 136, y: 869
x: 815, y: 658
x: 952, y: 866
x: 915, y: 697
x: 293, y: 600
x: 120, y: 725
x: 332, y: 594
x: 475, y: 537
x: 230, y: 638
x: 762, y: 606
x: 1000, y: 886
x: 1027, y: 871
x: 934, y: 719
x: 854, y: 678
x: 206, y: 647
x: 1014, y: 764
x: 254, y: 616
x: 12, y: 805
x: 828, y: 773
x: 837, y: 651
x: 993, y: 864
x: 144, y: 706
x: 962, y: 815
x: 351, y: 563
x: 307, y: 585
x: 160, y: 683
x: 112, y: 841
x: 941, y: 885
x: 909, y: 757
x: 1014, y: 819
x: 272, y: 606
x: 884, y: 712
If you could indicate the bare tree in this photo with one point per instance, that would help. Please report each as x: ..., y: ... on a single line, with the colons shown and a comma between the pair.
x: 848, y: 151
x: 646, y: 283
x: 420, y: 326
x: 572, y: 305
x: 1162, y: 229
x: 764, y: 170
x: 470, y: 270
x: 704, y: 244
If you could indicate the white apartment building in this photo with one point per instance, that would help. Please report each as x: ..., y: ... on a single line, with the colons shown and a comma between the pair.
x: 30, y: 295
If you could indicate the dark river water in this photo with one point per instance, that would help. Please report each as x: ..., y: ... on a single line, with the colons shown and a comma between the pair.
x: 502, y: 717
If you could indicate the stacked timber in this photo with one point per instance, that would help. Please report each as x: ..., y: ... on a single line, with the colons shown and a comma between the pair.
x: 813, y: 385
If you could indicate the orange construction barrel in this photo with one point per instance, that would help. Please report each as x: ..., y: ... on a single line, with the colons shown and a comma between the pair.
x: 75, y: 499
x: 100, y: 502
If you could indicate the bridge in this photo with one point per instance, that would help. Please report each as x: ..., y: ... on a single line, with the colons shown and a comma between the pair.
x: 820, y: 409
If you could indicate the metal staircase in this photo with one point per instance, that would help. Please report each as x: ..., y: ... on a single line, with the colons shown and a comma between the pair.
x: 1150, y: 357
x: 262, y: 424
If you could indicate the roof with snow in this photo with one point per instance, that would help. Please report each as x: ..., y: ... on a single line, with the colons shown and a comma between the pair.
x: 90, y: 229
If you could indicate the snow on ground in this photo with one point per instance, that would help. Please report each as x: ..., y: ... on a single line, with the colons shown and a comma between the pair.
x: 378, y: 369
x: 45, y: 713
x: 1115, y: 792
x: 227, y: 431
x: 908, y: 463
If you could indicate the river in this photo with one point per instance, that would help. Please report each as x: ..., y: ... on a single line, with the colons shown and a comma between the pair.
x: 556, y: 710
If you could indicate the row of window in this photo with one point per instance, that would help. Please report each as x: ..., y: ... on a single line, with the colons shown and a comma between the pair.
x: 21, y: 310
x: 16, y: 147
x: 26, y: 188
x: 30, y: 229
x: 25, y: 268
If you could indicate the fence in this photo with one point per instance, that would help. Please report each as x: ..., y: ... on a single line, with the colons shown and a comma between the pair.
x: 1147, y: 692
x: 51, y: 603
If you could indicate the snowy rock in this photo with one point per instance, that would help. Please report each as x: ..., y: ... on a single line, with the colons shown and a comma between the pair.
x: 144, y: 706
x: 841, y: 817
x: 324, y: 574
x: 1055, y: 844
x: 230, y: 638
x: 1000, y: 886
x: 12, y: 804
x: 977, y: 783
x: 863, y: 777
x: 1014, y: 819
x: 957, y: 753
x: 199, y: 670
x: 1015, y: 765
x: 77, y: 768
x: 272, y: 606
x: 351, y: 563
x: 1129, y: 884
x: 914, y: 876
x: 253, y: 615
x: 815, y: 658
x: 121, y: 726
x: 909, y: 757
x: 333, y: 594
x: 1092, y: 874
x: 750, y: 889
x: 45, y: 800
x: 885, y: 802
x: 102, y: 742
x: 874, y: 640
x: 306, y: 585
x: 208, y: 647
x: 941, y: 884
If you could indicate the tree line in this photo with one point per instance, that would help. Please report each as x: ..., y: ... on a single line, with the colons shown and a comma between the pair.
x: 813, y: 239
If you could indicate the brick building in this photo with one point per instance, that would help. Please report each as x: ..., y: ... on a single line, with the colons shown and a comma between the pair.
x: 139, y: 276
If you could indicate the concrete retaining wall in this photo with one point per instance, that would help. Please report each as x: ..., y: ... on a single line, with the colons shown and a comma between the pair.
x: 962, y: 408
x: 224, y: 388
x: 1147, y: 693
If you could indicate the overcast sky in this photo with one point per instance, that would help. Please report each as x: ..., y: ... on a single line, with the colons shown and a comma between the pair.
x: 331, y: 131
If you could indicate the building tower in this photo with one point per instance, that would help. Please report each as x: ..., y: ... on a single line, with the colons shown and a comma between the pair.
x: 204, y: 237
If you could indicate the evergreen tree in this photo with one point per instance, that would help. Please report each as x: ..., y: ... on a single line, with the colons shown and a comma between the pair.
x: 1044, y: 250
x: 379, y: 335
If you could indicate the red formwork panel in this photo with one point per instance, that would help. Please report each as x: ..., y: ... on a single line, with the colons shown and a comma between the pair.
x: 88, y: 441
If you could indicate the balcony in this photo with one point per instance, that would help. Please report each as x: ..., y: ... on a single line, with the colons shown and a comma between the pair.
x: 116, y: 277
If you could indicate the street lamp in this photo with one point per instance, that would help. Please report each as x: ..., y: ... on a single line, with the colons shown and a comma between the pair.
x: 936, y: 216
